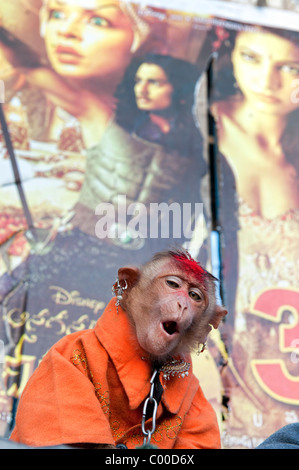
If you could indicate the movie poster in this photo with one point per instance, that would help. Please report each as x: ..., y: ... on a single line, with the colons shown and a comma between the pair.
x: 103, y: 162
x: 255, y: 105
x: 131, y: 127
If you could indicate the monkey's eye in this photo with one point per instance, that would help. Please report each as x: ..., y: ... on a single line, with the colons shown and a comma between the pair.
x: 173, y: 284
x: 195, y: 295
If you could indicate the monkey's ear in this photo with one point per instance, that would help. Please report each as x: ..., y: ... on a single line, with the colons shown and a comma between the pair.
x: 130, y: 274
x: 218, y: 315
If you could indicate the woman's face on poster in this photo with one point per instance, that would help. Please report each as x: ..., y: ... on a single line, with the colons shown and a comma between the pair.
x: 152, y: 89
x: 265, y: 67
x: 87, y: 38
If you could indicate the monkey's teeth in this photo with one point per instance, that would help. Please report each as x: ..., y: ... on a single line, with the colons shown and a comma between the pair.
x: 170, y: 327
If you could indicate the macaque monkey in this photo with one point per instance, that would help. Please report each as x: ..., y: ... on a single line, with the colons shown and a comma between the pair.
x: 171, y: 303
x: 92, y: 386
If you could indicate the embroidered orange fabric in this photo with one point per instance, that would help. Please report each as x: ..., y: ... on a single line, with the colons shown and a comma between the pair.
x: 91, y: 386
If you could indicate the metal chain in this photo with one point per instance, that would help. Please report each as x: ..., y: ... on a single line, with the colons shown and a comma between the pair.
x: 148, y: 432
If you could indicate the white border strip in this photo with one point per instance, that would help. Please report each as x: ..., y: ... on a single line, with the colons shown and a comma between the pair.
x: 234, y: 11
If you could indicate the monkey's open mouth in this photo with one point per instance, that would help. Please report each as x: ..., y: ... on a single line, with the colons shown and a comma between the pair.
x: 170, y: 327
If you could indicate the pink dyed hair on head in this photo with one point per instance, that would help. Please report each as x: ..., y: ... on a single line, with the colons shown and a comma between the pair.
x: 189, y: 265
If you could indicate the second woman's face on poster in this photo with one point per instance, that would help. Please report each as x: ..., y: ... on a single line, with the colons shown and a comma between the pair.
x: 152, y: 89
x: 89, y: 38
x: 265, y: 67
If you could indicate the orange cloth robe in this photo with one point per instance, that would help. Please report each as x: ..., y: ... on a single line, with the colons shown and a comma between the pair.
x: 91, y: 386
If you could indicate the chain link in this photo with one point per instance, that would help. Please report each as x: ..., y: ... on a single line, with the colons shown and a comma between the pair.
x: 148, y: 432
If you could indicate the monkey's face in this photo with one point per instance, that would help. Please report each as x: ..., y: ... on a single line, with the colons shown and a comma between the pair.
x: 169, y: 310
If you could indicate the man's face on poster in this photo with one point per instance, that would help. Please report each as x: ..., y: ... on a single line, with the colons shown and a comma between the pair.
x: 152, y: 89
x: 87, y: 38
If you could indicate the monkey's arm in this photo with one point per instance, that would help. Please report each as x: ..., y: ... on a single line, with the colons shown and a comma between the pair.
x: 59, y: 404
x: 200, y: 428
